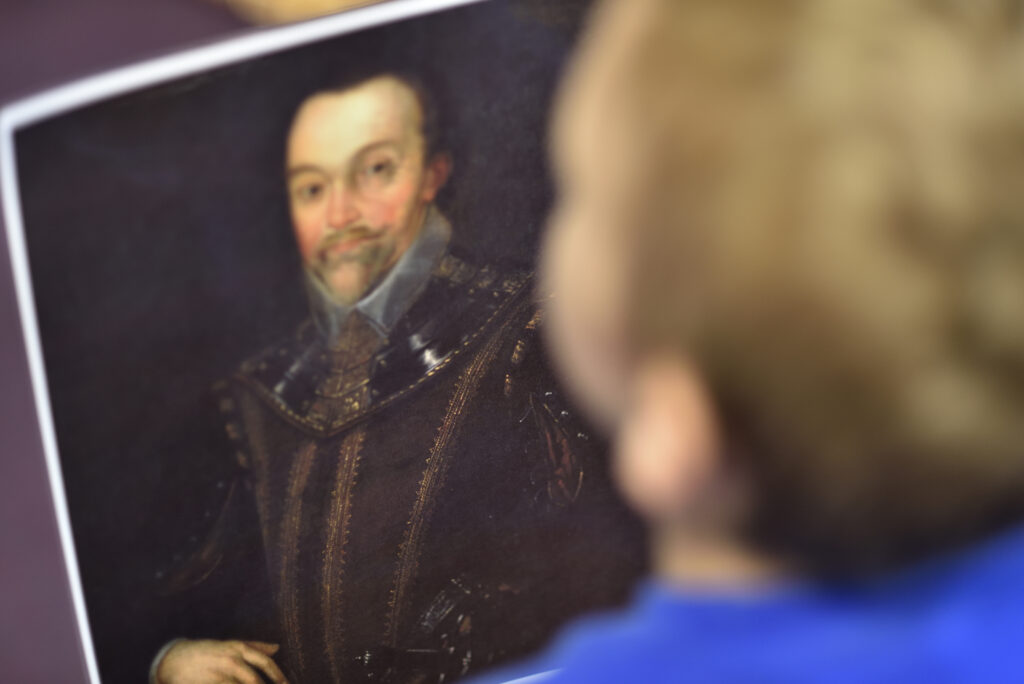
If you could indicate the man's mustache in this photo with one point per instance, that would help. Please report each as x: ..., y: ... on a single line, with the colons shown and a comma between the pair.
x: 327, y: 243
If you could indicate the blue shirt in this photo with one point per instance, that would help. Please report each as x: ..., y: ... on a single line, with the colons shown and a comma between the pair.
x: 957, y: 619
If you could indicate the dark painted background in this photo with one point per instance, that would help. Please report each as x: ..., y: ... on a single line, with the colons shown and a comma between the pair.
x: 162, y: 256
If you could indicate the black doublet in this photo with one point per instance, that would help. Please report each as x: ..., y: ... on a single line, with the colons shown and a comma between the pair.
x: 426, y: 505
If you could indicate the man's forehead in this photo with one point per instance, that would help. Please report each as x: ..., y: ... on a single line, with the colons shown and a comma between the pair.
x: 336, y: 123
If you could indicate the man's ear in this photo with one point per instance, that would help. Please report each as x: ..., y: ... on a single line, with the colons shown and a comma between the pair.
x: 439, y: 168
x: 667, y: 445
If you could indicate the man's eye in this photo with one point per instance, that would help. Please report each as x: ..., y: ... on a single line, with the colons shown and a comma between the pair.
x: 381, y: 169
x: 309, y: 192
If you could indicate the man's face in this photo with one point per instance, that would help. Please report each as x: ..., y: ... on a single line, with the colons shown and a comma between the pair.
x: 359, y: 182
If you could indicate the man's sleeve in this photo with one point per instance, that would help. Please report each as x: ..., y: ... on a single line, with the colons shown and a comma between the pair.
x: 212, y: 581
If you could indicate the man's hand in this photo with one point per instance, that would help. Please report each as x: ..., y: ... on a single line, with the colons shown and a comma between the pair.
x: 219, y: 662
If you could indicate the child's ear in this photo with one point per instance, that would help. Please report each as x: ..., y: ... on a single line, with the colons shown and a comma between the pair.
x: 667, y: 445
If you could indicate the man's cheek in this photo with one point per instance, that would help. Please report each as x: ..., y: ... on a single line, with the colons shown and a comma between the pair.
x: 393, y: 210
x: 307, y: 236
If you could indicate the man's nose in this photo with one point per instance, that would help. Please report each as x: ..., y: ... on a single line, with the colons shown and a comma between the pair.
x: 341, y: 206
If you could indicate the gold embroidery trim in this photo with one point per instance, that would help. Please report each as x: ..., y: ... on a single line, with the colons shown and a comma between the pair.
x: 291, y: 527
x: 260, y: 460
x: 334, y: 555
x: 435, y: 473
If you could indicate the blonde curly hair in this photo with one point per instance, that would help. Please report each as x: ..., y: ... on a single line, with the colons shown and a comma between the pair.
x: 829, y: 217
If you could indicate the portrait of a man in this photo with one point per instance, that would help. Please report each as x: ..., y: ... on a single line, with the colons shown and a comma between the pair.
x: 425, y: 502
x: 294, y: 349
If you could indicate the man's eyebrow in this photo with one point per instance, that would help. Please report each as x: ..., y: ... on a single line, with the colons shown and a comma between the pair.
x: 304, y: 168
x: 369, y: 147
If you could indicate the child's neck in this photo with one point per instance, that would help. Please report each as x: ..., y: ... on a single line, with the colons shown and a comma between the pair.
x: 693, y: 558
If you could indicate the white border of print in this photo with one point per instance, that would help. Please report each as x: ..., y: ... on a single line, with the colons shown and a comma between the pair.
x: 110, y: 84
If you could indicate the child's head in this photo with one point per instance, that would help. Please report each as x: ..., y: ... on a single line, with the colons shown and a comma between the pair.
x: 789, y: 259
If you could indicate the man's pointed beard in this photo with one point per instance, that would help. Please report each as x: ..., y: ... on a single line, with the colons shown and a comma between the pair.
x: 367, y: 262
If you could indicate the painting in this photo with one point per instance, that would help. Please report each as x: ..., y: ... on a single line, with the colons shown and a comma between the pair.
x: 279, y: 301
